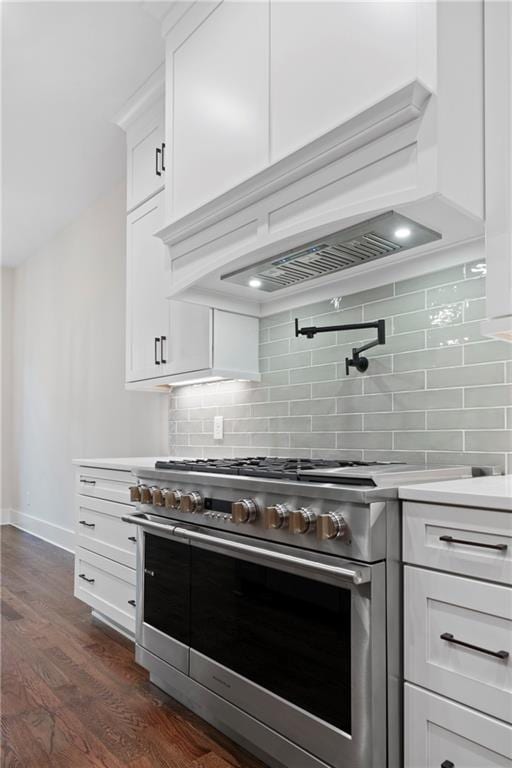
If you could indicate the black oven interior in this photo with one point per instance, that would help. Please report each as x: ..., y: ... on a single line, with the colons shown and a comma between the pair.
x: 289, y: 634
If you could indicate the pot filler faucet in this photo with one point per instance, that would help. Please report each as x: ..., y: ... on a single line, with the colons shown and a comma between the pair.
x: 359, y: 362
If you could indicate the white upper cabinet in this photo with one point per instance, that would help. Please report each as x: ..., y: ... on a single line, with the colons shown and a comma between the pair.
x: 164, y: 338
x: 143, y: 120
x: 332, y: 60
x: 145, y: 156
x: 294, y: 121
x: 219, y: 93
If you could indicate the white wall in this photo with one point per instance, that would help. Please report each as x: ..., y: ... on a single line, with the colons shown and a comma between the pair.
x: 69, y: 399
x: 6, y: 464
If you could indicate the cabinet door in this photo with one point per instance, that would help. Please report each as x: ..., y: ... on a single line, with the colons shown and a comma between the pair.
x: 147, y: 310
x: 442, y: 734
x: 331, y: 60
x: 220, y: 103
x: 187, y: 345
x: 145, y: 156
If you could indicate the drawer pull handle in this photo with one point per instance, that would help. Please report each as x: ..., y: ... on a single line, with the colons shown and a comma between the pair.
x: 447, y: 764
x: 451, y: 639
x: 87, y: 525
x: 148, y: 572
x: 84, y: 577
x: 451, y: 540
x: 131, y: 602
x: 85, y: 481
x: 132, y: 538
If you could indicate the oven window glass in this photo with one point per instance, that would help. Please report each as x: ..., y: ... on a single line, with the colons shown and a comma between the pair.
x: 287, y: 633
x: 167, y: 586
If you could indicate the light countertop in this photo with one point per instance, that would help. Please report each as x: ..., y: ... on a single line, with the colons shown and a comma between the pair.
x: 493, y: 492
x: 147, y: 462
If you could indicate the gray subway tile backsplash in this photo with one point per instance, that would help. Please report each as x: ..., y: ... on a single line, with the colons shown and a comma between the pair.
x: 437, y: 392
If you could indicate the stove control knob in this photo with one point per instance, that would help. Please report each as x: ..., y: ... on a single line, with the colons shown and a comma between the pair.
x: 332, y: 525
x: 172, y: 498
x: 244, y: 511
x: 134, y: 492
x: 191, y: 502
x: 302, y: 520
x: 145, y: 494
x: 276, y: 516
x: 156, y: 496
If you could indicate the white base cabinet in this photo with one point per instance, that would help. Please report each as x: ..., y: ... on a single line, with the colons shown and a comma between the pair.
x: 442, y: 734
x: 457, y: 637
x: 105, y: 545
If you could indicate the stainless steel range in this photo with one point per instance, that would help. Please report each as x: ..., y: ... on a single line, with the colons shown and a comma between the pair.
x: 269, y: 601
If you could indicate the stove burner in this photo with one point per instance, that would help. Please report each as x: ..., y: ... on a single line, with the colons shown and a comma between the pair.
x: 259, y: 466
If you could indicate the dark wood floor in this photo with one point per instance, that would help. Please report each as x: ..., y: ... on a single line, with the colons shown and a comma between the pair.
x: 72, y: 695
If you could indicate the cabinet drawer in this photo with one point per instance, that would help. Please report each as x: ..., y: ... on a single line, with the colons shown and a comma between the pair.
x: 109, y: 484
x: 480, y: 544
x: 467, y: 611
x: 101, y: 530
x: 106, y: 586
x: 440, y: 733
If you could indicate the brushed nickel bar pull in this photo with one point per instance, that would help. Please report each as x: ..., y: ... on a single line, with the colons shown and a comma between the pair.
x: 451, y: 540
x: 451, y: 639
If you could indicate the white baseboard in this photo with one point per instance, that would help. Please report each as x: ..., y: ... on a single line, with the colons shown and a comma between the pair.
x: 50, y: 532
x: 5, y: 516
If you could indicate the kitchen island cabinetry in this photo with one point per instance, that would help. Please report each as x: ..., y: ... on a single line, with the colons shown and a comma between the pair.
x: 457, y: 550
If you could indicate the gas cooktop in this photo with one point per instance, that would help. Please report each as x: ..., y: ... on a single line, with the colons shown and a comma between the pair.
x: 370, y: 473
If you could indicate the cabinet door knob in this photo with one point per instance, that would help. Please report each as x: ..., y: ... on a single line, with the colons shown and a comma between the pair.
x: 88, y: 525
x: 447, y: 764
x: 132, y: 538
x: 131, y: 602
x: 157, y: 341
x: 84, y: 577
x: 158, y: 152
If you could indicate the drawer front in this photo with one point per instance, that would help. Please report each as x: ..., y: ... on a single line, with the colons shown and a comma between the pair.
x: 479, y: 541
x: 441, y: 610
x: 442, y: 734
x: 106, y: 586
x: 100, y: 529
x: 109, y: 484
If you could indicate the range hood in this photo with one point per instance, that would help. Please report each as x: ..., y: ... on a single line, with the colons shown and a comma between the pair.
x: 370, y: 240
x: 323, y: 221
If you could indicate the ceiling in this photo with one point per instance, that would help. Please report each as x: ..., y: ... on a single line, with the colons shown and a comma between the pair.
x: 67, y: 68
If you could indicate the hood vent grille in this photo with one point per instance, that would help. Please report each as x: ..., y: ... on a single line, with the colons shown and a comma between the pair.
x: 374, y: 239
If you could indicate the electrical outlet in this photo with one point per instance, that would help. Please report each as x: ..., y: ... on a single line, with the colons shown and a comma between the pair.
x: 218, y: 427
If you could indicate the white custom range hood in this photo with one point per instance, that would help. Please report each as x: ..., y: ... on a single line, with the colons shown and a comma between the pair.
x: 359, y: 205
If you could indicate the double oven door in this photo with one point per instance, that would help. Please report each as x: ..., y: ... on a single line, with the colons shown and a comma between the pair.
x: 294, y: 639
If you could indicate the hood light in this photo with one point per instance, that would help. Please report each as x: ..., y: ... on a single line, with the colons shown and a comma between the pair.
x: 255, y: 282
x: 402, y: 233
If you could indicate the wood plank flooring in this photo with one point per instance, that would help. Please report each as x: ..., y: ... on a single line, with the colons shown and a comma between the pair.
x: 72, y: 695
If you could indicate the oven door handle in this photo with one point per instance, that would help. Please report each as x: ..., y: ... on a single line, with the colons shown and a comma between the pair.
x: 357, y: 575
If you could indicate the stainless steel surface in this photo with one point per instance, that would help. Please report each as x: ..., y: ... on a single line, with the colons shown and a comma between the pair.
x: 370, y: 240
x: 272, y: 748
x: 334, y: 571
x: 356, y: 547
x: 389, y: 475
